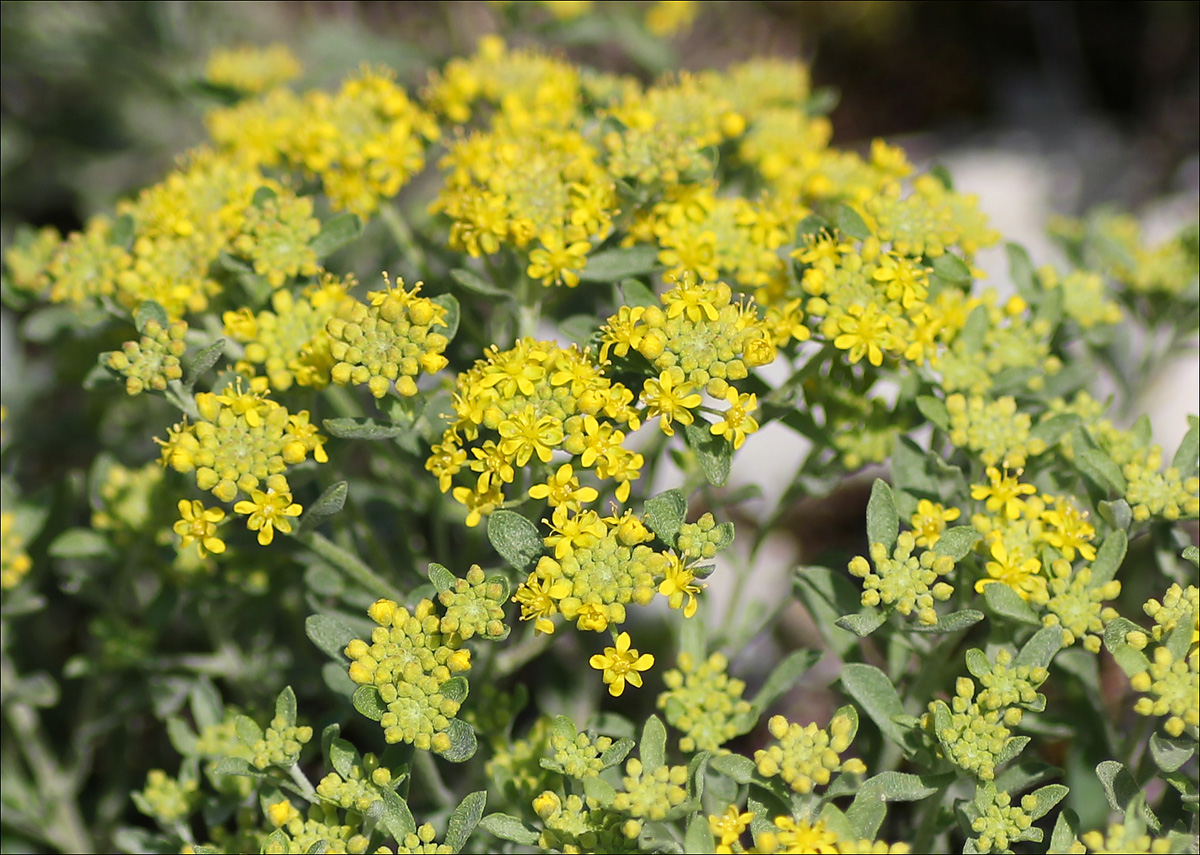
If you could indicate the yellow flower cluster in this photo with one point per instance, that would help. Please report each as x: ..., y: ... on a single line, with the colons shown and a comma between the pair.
x: 289, y: 340
x: 600, y: 566
x: 363, y: 143
x: 392, y: 340
x: 153, y: 360
x: 904, y: 580
x: 807, y: 757
x: 250, y: 69
x: 530, y: 401
x: 241, y: 443
x: 15, y: 562
x: 412, y: 663
x: 698, y: 340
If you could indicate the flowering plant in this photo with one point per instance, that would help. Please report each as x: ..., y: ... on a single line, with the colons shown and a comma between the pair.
x: 468, y: 522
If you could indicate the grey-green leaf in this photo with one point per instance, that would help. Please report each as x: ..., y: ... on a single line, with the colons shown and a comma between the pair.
x: 876, y: 696
x: 883, y: 522
x: 361, y: 428
x: 713, y: 453
x: 453, y: 314
x: 464, y: 819
x: 1004, y: 602
x: 614, y: 264
x: 336, y: 233
x: 653, y: 747
x: 1169, y: 753
x: 329, y: 635
x: 507, y: 827
x: 665, y: 514
x: 472, y: 281
x: 1120, y: 788
x: 935, y: 410
x: 367, y: 701
x: 850, y: 222
x: 515, y: 538
x: 863, y: 624
x: 1100, y: 468
x: 1109, y: 557
x: 329, y: 503
x: 957, y: 542
x: 1039, y: 651
x: 462, y: 741
x: 951, y: 268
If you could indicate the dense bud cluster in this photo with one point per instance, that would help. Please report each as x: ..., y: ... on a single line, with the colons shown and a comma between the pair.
x: 153, y: 361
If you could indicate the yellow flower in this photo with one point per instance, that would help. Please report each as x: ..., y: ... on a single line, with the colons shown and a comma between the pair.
x: 930, y: 521
x: 562, y: 490
x: 268, y: 511
x: 556, y: 261
x: 621, y: 665
x: 1003, y: 492
x: 537, y: 597
x: 728, y: 827
x: 677, y: 586
x: 737, y: 421
x: 199, y: 525
x: 666, y: 399
x: 1021, y: 576
x: 864, y: 332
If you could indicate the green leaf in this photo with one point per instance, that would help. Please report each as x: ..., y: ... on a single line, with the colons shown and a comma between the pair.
x: 665, y: 514
x: 1039, y: 651
x: 934, y: 409
x: 442, y: 579
x: 238, y: 767
x: 1191, y: 554
x: 614, y: 264
x: 149, y: 310
x: 1101, y: 469
x: 507, y: 827
x: 328, y: 504
x: 578, y: 328
x: 1109, y: 557
x: 811, y: 225
x: 462, y: 741
x: 343, y: 756
x: 1131, y: 660
x: 699, y: 837
x: 398, y: 819
x: 1046, y: 798
x: 735, y: 766
x: 849, y: 222
x: 957, y: 542
x: 876, y: 696
x: 1004, y: 602
x: 1169, y: 753
x: 1188, y: 454
x: 361, y: 428
x: 1120, y: 788
x: 1012, y: 748
x: 1053, y: 429
x: 653, y: 746
x: 951, y: 268
x: 863, y: 624
x: 335, y: 233
x: 476, y: 284
x: 79, y: 543
x: 515, y: 538
x: 713, y: 453
x: 634, y: 292
x: 367, y: 701
x: 883, y: 522
x: 123, y: 232
x: 1021, y: 272
x: 329, y: 635
x: 616, y: 752
x: 456, y: 689
x: 975, y: 330
x: 1116, y: 513
x: 952, y: 622
x: 595, y: 787
x: 248, y: 731
x: 464, y: 819
x: 285, y: 706
x: 453, y: 313
x: 202, y: 361
x: 1065, y: 834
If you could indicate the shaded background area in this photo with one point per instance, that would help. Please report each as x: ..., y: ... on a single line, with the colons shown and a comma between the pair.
x: 96, y: 99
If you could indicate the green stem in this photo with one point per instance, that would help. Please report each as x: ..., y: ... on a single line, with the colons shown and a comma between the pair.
x: 927, y: 829
x: 431, y: 780
x: 515, y: 657
x: 301, y: 780
x: 349, y: 564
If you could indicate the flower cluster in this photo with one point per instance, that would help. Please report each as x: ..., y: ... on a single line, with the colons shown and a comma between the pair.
x: 1152, y: 491
x: 974, y: 729
x: 1001, y: 823
x: 530, y: 401
x: 1172, y: 684
x: 152, y: 361
x: 650, y: 794
x: 280, y: 745
x: 704, y: 703
x: 581, y: 757
x: 360, y: 789
x: 475, y: 606
x: 252, y: 70
x: 1076, y: 604
x: 411, y: 662
x: 807, y: 757
x: 993, y: 430
x: 289, y: 340
x: 390, y: 341
x: 904, y: 580
x: 573, y: 825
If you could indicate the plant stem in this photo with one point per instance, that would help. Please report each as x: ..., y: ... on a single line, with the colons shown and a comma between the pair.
x: 349, y: 564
